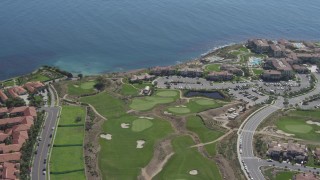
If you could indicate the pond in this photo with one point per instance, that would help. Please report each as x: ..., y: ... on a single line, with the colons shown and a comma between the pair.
x: 208, y: 94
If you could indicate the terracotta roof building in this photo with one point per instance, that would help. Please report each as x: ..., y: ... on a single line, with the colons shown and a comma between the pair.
x: 9, y: 171
x: 10, y: 157
x: 220, y: 76
x: 24, y: 111
x: 3, y: 96
x: 34, y: 86
x: 16, y: 91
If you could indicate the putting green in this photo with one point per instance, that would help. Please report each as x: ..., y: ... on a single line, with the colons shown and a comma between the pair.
x: 87, y: 85
x: 167, y: 93
x: 205, y: 102
x: 298, y: 128
x: 179, y: 110
x: 141, y: 124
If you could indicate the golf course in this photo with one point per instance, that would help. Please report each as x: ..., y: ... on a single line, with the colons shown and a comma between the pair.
x: 302, y: 124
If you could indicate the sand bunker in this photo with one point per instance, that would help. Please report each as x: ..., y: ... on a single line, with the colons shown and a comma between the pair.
x: 140, y: 144
x: 312, y: 122
x: 144, y: 117
x: 193, y: 172
x: 106, y: 136
x: 167, y: 113
x: 76, y: 86
x: 283, y: 133
x: 317, y: 131
x: 125, y: 125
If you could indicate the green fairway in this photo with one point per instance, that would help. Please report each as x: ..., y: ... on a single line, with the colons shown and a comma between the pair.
x: 119, y: 158
x: 105, y: 104
x: 195, y: 124
x: 147, y: 103
x: 69, y: 115
x: 69, y: 158
x: 295, y: 123
x: 179, y: 110
x: 257, y: 71
x: 196, y: 105
x: 167, y: 93
x: 288, y: 175
x: 81, y: 87
x: 186, y: 159
x: 213, y: 67
x: 87, y: 85
x: 205, y: 102
x: 66, y: 159
x: 69, y: 135
x: 141, y: 124
x: 128, y: 89
x: 69, y: 176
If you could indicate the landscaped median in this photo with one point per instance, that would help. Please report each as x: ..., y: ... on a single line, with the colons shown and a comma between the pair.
x: 66, y: 160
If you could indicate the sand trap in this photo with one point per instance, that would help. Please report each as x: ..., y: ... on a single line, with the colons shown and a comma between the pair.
x: 125, y: 125
x: 144, y: 117
x: 312, y: 122
x: 140, y: 144
x: 317, y: 131
x: 106, y: 136
x: 284, y: 133
x: 167, y: 113
x: 193, y: 172
x: 76, y: 86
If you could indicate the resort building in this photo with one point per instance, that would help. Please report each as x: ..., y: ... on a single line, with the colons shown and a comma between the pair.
x: 231, y: 69
x: 17, y: 91
x: 259, y: 45
x: 190, y: 72
x: 277, y: 50
x: 163, y: 71
x: 34, y: 87
x: 9, y: 171
x: 300, y: 69
x: 288, y: 151
x: 272, y: 75
x: 309, y: 57
x: 220, y: 76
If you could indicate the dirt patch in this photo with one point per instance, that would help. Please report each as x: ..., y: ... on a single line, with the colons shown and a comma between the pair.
x: 284, y: 133
x: 91, y: 145
x: 313, y: 123
x: 193, y: 172
x: 125, y: 125
x: 106, y: 136
x: 140, y: 144
x: 162, y: 153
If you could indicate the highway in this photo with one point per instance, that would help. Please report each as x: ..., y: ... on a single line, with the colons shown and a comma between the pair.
x: 46, y: 137
x: 251, y: 164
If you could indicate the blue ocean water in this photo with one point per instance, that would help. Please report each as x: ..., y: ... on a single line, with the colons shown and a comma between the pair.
x: 96, y: 36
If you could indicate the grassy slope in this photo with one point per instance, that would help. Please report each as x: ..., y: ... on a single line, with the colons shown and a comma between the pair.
x: 186, y: 159
x: 196, y: 105
x: 213, y: 67
x: 195, y: 124
x: 70, y: 113
x: 129, y: 90
x: 77, y: 89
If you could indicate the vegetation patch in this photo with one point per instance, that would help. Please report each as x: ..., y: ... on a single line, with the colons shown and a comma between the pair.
x: 187, y: 159
x: 141, y: 124
x: 179, y: 110
x: 129, y: 90
x: 213, y: 67
x: 196, y: 125
x: 81, y: 88
x: 167, y: 93
x: 257, y: 72
x: 196, y: 105
x: 69, y: 135
x: 69, y: 176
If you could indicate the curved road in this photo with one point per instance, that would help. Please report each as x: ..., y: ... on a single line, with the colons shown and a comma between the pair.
x: 245, y: 138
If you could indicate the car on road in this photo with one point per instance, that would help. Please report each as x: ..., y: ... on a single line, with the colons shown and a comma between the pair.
x: 44, y: 172
x: 52, y: 128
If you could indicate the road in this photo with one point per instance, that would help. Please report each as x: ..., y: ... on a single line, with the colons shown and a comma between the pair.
x: 246, y: 133
x: 43, y: 147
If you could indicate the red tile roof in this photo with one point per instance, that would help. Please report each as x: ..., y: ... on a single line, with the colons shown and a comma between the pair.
x: 16, y: 91
x: 33, y: 86
x: 19, y: 137
x: 25, y: 120
x: 10, y: 148
x: 3, y: 96
x: 9, y: 171
x: 10, y: 157
x: 26, y: 110
x: 3, y: 110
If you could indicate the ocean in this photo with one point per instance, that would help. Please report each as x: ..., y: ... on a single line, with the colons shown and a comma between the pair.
x: 99, y: 36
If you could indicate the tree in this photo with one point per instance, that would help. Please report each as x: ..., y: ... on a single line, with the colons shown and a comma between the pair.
x: 15, y: 102
x: 102, y: 83
x: 80, y: 76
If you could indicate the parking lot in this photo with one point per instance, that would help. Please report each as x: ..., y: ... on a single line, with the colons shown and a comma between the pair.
x: 283, y: 87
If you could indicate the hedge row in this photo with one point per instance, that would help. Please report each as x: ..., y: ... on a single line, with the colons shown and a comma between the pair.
x: 65, y: 172
x: 70, y: 125
x: 66, y: 145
